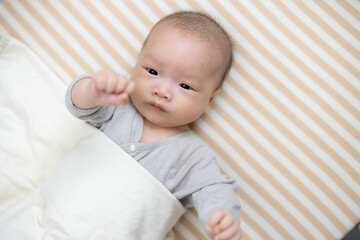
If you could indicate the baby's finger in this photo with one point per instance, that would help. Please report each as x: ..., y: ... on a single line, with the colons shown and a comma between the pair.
x: 111, y: 84
x: 229, y: 232
x: 226, y: 221
x: 215, y: 218
x: 100, y: 79
x: 121, y: 83
x: 130, y: 87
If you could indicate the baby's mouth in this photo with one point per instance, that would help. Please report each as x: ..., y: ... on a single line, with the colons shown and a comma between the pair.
x: 157, y: 106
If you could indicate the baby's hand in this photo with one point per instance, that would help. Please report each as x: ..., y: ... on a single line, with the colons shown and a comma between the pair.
x: 222, y: 225
x: 110, y: 88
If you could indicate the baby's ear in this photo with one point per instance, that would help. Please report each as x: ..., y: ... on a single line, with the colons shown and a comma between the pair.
x: 216, y: 92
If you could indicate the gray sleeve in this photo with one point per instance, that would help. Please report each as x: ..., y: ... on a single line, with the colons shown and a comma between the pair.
x: 216, y: 196
x: 94, y: 116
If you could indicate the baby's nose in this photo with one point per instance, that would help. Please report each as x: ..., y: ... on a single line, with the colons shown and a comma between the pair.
x: 162, y: 93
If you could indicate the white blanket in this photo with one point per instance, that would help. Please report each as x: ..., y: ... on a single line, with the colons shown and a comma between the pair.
x: 95, y: 190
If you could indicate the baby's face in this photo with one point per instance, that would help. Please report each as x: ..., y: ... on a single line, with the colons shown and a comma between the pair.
x: 177, y: 75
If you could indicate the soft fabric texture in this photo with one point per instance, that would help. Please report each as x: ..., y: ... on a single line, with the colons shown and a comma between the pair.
x: 89, y: 196
x: 81, y: 198
x: 36, y: 128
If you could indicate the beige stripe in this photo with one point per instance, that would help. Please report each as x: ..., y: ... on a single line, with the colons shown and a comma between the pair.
x: 174, y: 6
x: 108, y: 26
x: 302, y: 106
x: 64, y: 65
x: 350, y: 9
x: 288, y: 175
x: 91, y: 30
x: 325, y: 26
x: 305, y: 128
x: 328, y: 129
x: 323, y: 44
x: 340, y: 20
x: 261, y: 191
x: 192, y: 228
x: 315, y: 77
x: 126, y: 22
x: 255, y: 225
x: 293, y: 138
x: 157, y: 11
x: 244, y: 235
x: 310, y: 113
x: 58, y: 38
x: 71, y: 30
x: 178, y: 235
x: 244, y: 197
x: 139, y: 14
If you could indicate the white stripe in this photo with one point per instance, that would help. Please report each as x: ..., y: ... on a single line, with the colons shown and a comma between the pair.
x: 162, y: 5
x: 246, y: 228
x: 281, y: 179
x: 117, y: 24
x: 86, y: 35
x: 318, y: 50
x: 333, y: 24
x: 104, y: 32
x: 344, y: 14
x: 184, y: 231
x: 253, y: 173
x: 147, y: 11
x: 263, y: 223
x: 302, y: 116
x: 293, y: 88
x: 355, y: 4
x: 291, y: 127
x: 195, y: 221
x: 293, y: 169
x: 306, y: 101
x: 321, y: 33
x: 131, y: 17
x: 68, y: 38
x: 46, y: 36
x: 34, y: 44
x: 183, y: 5
x: 309, y: 62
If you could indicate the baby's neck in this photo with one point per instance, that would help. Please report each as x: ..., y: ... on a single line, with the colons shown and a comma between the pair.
x: 152, y: 133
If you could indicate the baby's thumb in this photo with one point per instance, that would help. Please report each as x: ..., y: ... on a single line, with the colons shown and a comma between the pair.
x: 130, y: 87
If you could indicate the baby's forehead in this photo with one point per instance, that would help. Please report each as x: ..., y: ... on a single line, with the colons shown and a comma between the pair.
x: 214, y: 46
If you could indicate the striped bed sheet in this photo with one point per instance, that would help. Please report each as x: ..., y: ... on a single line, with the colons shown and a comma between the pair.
x: 287, y: 123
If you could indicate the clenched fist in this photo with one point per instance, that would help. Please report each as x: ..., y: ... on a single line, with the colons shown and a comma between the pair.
x: 222, y: 225
x: 109, y: 88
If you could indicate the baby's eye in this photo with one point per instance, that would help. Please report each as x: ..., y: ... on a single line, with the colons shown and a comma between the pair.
x: 185, y: 86
x: 152, y: 71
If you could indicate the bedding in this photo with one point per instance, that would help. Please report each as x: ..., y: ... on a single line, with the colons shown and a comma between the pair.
x: 286, y: 125
x: 96, y: 191
x: 61, y: 178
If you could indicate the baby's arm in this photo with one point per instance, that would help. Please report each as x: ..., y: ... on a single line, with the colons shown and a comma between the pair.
x: 104, y: 88
x: 222, y: 225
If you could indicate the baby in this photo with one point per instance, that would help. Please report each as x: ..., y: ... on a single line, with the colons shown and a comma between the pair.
x: 179, y: 71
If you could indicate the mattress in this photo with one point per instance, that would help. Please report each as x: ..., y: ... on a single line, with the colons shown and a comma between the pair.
x: 287, y: 123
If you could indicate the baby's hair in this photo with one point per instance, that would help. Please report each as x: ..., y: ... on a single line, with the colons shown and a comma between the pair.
x: 205, y: 27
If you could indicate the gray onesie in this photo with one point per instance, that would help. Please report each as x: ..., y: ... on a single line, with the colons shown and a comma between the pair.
x: 183, y: 163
